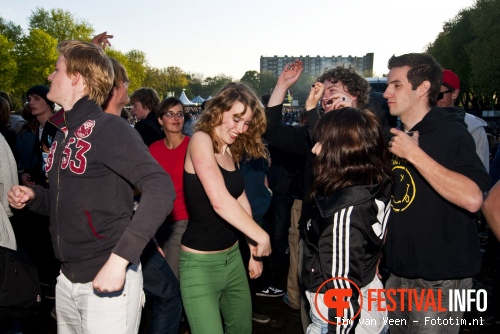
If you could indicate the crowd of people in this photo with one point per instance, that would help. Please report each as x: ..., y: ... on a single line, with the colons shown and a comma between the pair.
x: 190, y: 209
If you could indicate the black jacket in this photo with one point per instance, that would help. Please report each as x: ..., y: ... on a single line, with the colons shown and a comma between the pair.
x: 149, y: 129
x: 297, y: 140
x: 428, y: 237
x: 93, y: 160
x: 344, y: 239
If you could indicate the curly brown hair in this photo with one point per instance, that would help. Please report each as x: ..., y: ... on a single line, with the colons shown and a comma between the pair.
x: 356, y: 85
x: 249, y: 143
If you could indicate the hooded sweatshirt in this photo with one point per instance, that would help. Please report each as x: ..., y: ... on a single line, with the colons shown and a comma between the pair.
x: 429, y: 237
x: 93, y: 161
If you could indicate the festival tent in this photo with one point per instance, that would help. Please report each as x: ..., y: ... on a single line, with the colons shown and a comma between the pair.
x: 185, y: 101
x: 198, y: 100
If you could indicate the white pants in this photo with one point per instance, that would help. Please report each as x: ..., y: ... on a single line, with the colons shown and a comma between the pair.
x: 81, y: 310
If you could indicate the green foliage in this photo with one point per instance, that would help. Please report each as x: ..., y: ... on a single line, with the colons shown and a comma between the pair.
x: 10, y: 30
x: 8, y: 64
x: 60, y: 24
x: 214, y: 84
x: 468, y: 46
x: 136, y: 66
x: 195, y: 84
x: 252, y: 79
x: 36, y: 56
x: 166, y: 80
x: 483, y: 50
x: 267, y: 82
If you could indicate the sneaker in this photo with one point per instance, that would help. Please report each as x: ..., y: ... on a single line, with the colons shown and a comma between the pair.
x: 260, y: 318
x: 53, y: 313
x: 271, y: 292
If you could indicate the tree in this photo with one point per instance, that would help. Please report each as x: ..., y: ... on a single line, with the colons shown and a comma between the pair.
x: 467, y: 46
x: 214, y: 84
x: 8, y: 65
x: 166, y: 80
x: 302, y: 88
x: 176, y: 79
x: 483, y: 51
x: 450, y: 49
x: 195, y: 84
x: 252, y: 79
x: 60, y: 24
x: 10, y: 30
x: 37, y: 56
x: 267, y: 82
x: 136, y: 68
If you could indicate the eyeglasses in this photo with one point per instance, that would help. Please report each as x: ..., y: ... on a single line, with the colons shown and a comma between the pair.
x: 170, y: 114
x: 441, y: 94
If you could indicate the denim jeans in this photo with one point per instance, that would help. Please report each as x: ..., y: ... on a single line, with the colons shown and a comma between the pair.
x: 80, y: 309
x: 317, y: 325
x: 416, y: 320
x: 161, y: 285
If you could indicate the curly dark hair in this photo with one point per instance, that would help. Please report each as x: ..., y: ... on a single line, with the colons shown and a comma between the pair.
x: 353, y: 151
x: 249, y: 143
x: 356, y: 85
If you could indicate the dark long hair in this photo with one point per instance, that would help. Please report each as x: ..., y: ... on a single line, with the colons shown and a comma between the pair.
x: 353, y: 151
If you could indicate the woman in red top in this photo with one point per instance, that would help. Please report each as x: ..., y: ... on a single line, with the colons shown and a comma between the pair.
x: 170, y: 153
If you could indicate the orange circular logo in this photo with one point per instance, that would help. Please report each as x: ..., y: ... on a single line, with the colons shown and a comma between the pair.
x: 339, y: 303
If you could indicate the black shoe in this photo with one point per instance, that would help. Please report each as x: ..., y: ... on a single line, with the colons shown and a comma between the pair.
x: 260, y: 318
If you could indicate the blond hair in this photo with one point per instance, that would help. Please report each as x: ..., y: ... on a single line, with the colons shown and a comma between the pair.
x: 92, y: 64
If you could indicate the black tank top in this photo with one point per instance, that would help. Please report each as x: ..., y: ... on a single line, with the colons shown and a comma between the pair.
x: 206, y: 230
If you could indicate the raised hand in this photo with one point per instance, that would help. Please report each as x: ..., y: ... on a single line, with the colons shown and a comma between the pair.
x: 102, y: 40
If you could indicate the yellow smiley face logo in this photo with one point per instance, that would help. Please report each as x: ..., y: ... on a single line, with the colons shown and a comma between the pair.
x: 405, y: 190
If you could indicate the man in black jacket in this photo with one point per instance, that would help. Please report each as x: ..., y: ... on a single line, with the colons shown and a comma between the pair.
x: 432, y: 244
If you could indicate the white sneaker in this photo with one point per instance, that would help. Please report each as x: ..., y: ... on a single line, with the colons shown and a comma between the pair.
x: 270, y: 292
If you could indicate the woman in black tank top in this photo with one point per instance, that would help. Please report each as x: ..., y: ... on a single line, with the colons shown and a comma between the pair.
x: 211, y: 271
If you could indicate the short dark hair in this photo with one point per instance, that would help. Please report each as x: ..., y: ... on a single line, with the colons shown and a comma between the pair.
x: 353, y: 151
x: 423, y: 67
x: 148, y: 97
x: 168, y: 103
x: 356, y: 85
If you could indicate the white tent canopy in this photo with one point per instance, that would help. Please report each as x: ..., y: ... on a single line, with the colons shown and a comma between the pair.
x: 198, y: 100
x: 185, y: 100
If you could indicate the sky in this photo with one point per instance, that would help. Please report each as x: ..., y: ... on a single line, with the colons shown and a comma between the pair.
x: 228, y: 37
